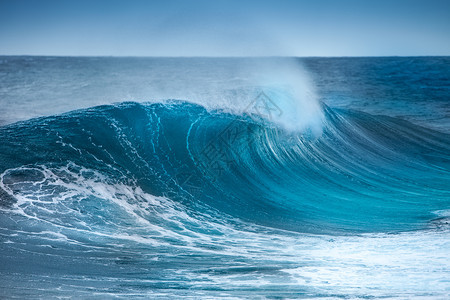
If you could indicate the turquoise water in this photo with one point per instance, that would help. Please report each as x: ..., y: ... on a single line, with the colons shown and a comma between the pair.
x: 269, y: 178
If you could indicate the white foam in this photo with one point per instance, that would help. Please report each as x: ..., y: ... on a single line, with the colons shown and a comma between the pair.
x: 442, y: 213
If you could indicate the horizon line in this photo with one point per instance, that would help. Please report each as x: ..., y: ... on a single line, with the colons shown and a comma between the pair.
x: 218, y: 56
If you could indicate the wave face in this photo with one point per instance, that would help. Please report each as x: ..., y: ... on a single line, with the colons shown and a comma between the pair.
x: 156, y: 199
x: 365, y: 173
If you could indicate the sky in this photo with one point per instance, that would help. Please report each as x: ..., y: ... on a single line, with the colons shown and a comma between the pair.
x: 225, y: 27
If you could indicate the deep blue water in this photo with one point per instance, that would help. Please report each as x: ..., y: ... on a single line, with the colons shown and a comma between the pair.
x: 264, y: 178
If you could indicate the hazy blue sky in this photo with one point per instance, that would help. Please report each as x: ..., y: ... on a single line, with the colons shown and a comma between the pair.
x: 225, y: 28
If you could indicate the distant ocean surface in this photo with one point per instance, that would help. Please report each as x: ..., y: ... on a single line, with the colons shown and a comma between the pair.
x: 224, y: 178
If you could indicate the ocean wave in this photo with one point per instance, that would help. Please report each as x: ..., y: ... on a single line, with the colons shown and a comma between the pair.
x: 359, y: 173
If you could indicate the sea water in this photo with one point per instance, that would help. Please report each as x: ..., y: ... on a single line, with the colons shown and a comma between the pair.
x: 224, y: 178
